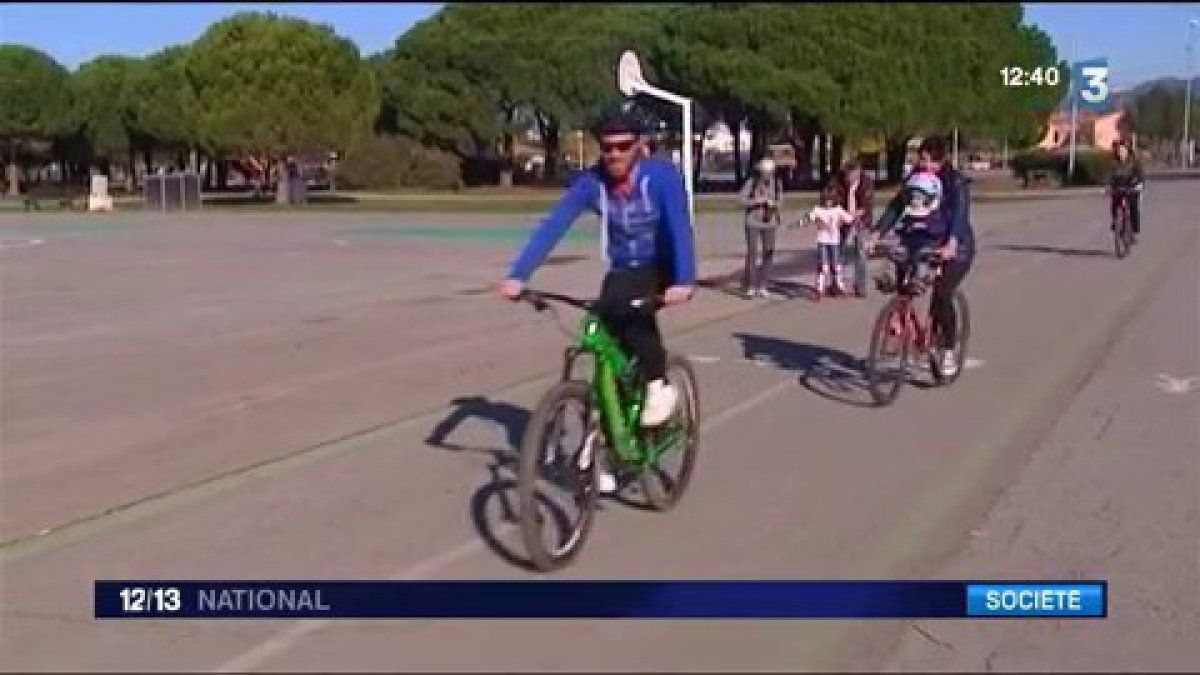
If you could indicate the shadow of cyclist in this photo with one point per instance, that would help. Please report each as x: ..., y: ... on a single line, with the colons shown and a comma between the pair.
x: 492, y: 524
x: 510, y: 417
x: 494, y: 511
x: 826, y: 372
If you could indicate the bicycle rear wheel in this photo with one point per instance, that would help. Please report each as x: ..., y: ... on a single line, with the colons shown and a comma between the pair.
x: 557, y: 475
x: 666, y: 480
x: 962, y: 316
x: 887, y: 360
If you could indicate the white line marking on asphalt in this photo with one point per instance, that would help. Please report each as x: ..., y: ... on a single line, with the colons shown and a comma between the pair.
x: 763, y: 361
x: 1175, y: 385
x: 20, y: 243
x: 94, y: 330
x: 703, y: 359
x: 972, y: 364
x: 279, y: 643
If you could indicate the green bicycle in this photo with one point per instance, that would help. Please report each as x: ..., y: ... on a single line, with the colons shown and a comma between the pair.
x: 577, y: 420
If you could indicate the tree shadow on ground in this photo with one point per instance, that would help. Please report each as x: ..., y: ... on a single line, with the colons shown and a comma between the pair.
x: 1067, y: 252
x: 269, y: 200
x: 791, y: 263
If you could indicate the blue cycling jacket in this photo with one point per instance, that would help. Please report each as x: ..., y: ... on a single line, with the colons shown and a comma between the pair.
x: 649, y: 227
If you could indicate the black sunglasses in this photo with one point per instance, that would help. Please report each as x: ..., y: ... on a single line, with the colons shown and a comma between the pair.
x: 622, y: 146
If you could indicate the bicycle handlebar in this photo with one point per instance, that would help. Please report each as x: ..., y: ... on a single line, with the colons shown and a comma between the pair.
x: 897, y: 253
x: 538, y: 300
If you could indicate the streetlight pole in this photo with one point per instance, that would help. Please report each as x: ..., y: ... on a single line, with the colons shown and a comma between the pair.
x: 1188, y: 155
x: 1074, y: 115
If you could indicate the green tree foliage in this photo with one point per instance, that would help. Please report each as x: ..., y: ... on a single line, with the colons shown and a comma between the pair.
x: 384, y: 161
x: 474, y: 78
x: 1156, y: 113
x: 269, y: 86
x: 34, y: 103
x: 100, y: 111
x: 1020, y: 113
x: 161, y: 104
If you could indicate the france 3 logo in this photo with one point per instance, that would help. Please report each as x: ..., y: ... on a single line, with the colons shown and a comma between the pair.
x: 1090, y: 84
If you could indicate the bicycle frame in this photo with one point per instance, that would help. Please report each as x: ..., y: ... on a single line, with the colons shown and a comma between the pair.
x: 620, y: 416
x: 917, y: 332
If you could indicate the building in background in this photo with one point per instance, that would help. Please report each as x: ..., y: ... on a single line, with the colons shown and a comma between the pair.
x: 1094, y: 131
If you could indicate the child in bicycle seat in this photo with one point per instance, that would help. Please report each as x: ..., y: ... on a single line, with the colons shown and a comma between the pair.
x: 919, y: 224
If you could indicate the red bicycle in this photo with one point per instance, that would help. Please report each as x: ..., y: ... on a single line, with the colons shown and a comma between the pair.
x: 901, y: 332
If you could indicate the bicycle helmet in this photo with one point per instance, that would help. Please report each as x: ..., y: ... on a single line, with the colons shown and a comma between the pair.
x: 928, y: 188
x: 619, y: 120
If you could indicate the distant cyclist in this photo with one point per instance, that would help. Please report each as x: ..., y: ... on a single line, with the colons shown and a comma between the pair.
x: 1126, y: 181
x: 647, y: 241
x: 953, y: 237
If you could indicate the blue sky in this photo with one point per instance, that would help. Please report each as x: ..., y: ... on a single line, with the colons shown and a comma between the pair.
x: 1142, y: 41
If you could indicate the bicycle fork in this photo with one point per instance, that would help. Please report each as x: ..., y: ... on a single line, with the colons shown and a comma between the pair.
x: 919, y: 332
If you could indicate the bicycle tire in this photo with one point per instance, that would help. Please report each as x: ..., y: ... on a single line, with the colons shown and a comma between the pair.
x: 662, y: 497
x: 1120, y: 236
x: 543, y: 420
x: 962, y: 312
x: 884, y: 387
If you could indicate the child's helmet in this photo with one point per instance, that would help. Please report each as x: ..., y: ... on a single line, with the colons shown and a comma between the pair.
x: 929, y: 186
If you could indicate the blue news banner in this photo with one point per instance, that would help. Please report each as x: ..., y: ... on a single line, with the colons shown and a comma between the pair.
x: 599, y: 599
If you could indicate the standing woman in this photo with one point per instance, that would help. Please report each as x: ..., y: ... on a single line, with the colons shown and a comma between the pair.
x: 1127, y: 177
x: 856, y: 194
x: 762, y: 198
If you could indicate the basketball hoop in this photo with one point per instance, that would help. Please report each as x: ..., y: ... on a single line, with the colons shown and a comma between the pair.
x: 629, y: 75
x: 631, y: 83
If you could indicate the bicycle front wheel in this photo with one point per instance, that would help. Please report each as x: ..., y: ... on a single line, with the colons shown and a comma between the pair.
x: 665, y: 481
x: 1121, y: 236
x: 887, y: 360
x: 556, y: 484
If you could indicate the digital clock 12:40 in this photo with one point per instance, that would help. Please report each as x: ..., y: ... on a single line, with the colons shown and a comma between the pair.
x: 1016, y: 76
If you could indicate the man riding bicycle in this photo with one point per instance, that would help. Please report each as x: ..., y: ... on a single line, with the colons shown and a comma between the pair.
x: 646, y: 239
x: 952, y: 235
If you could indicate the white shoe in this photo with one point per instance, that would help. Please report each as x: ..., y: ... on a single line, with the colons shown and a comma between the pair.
x: 949, y: 363
x: 660, y: 403
x: 606, y: 482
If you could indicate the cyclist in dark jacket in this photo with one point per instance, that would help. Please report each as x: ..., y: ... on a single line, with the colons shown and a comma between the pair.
x: 1126, y: 181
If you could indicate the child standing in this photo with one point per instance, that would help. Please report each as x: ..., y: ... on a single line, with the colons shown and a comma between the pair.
x: 829, y: 217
